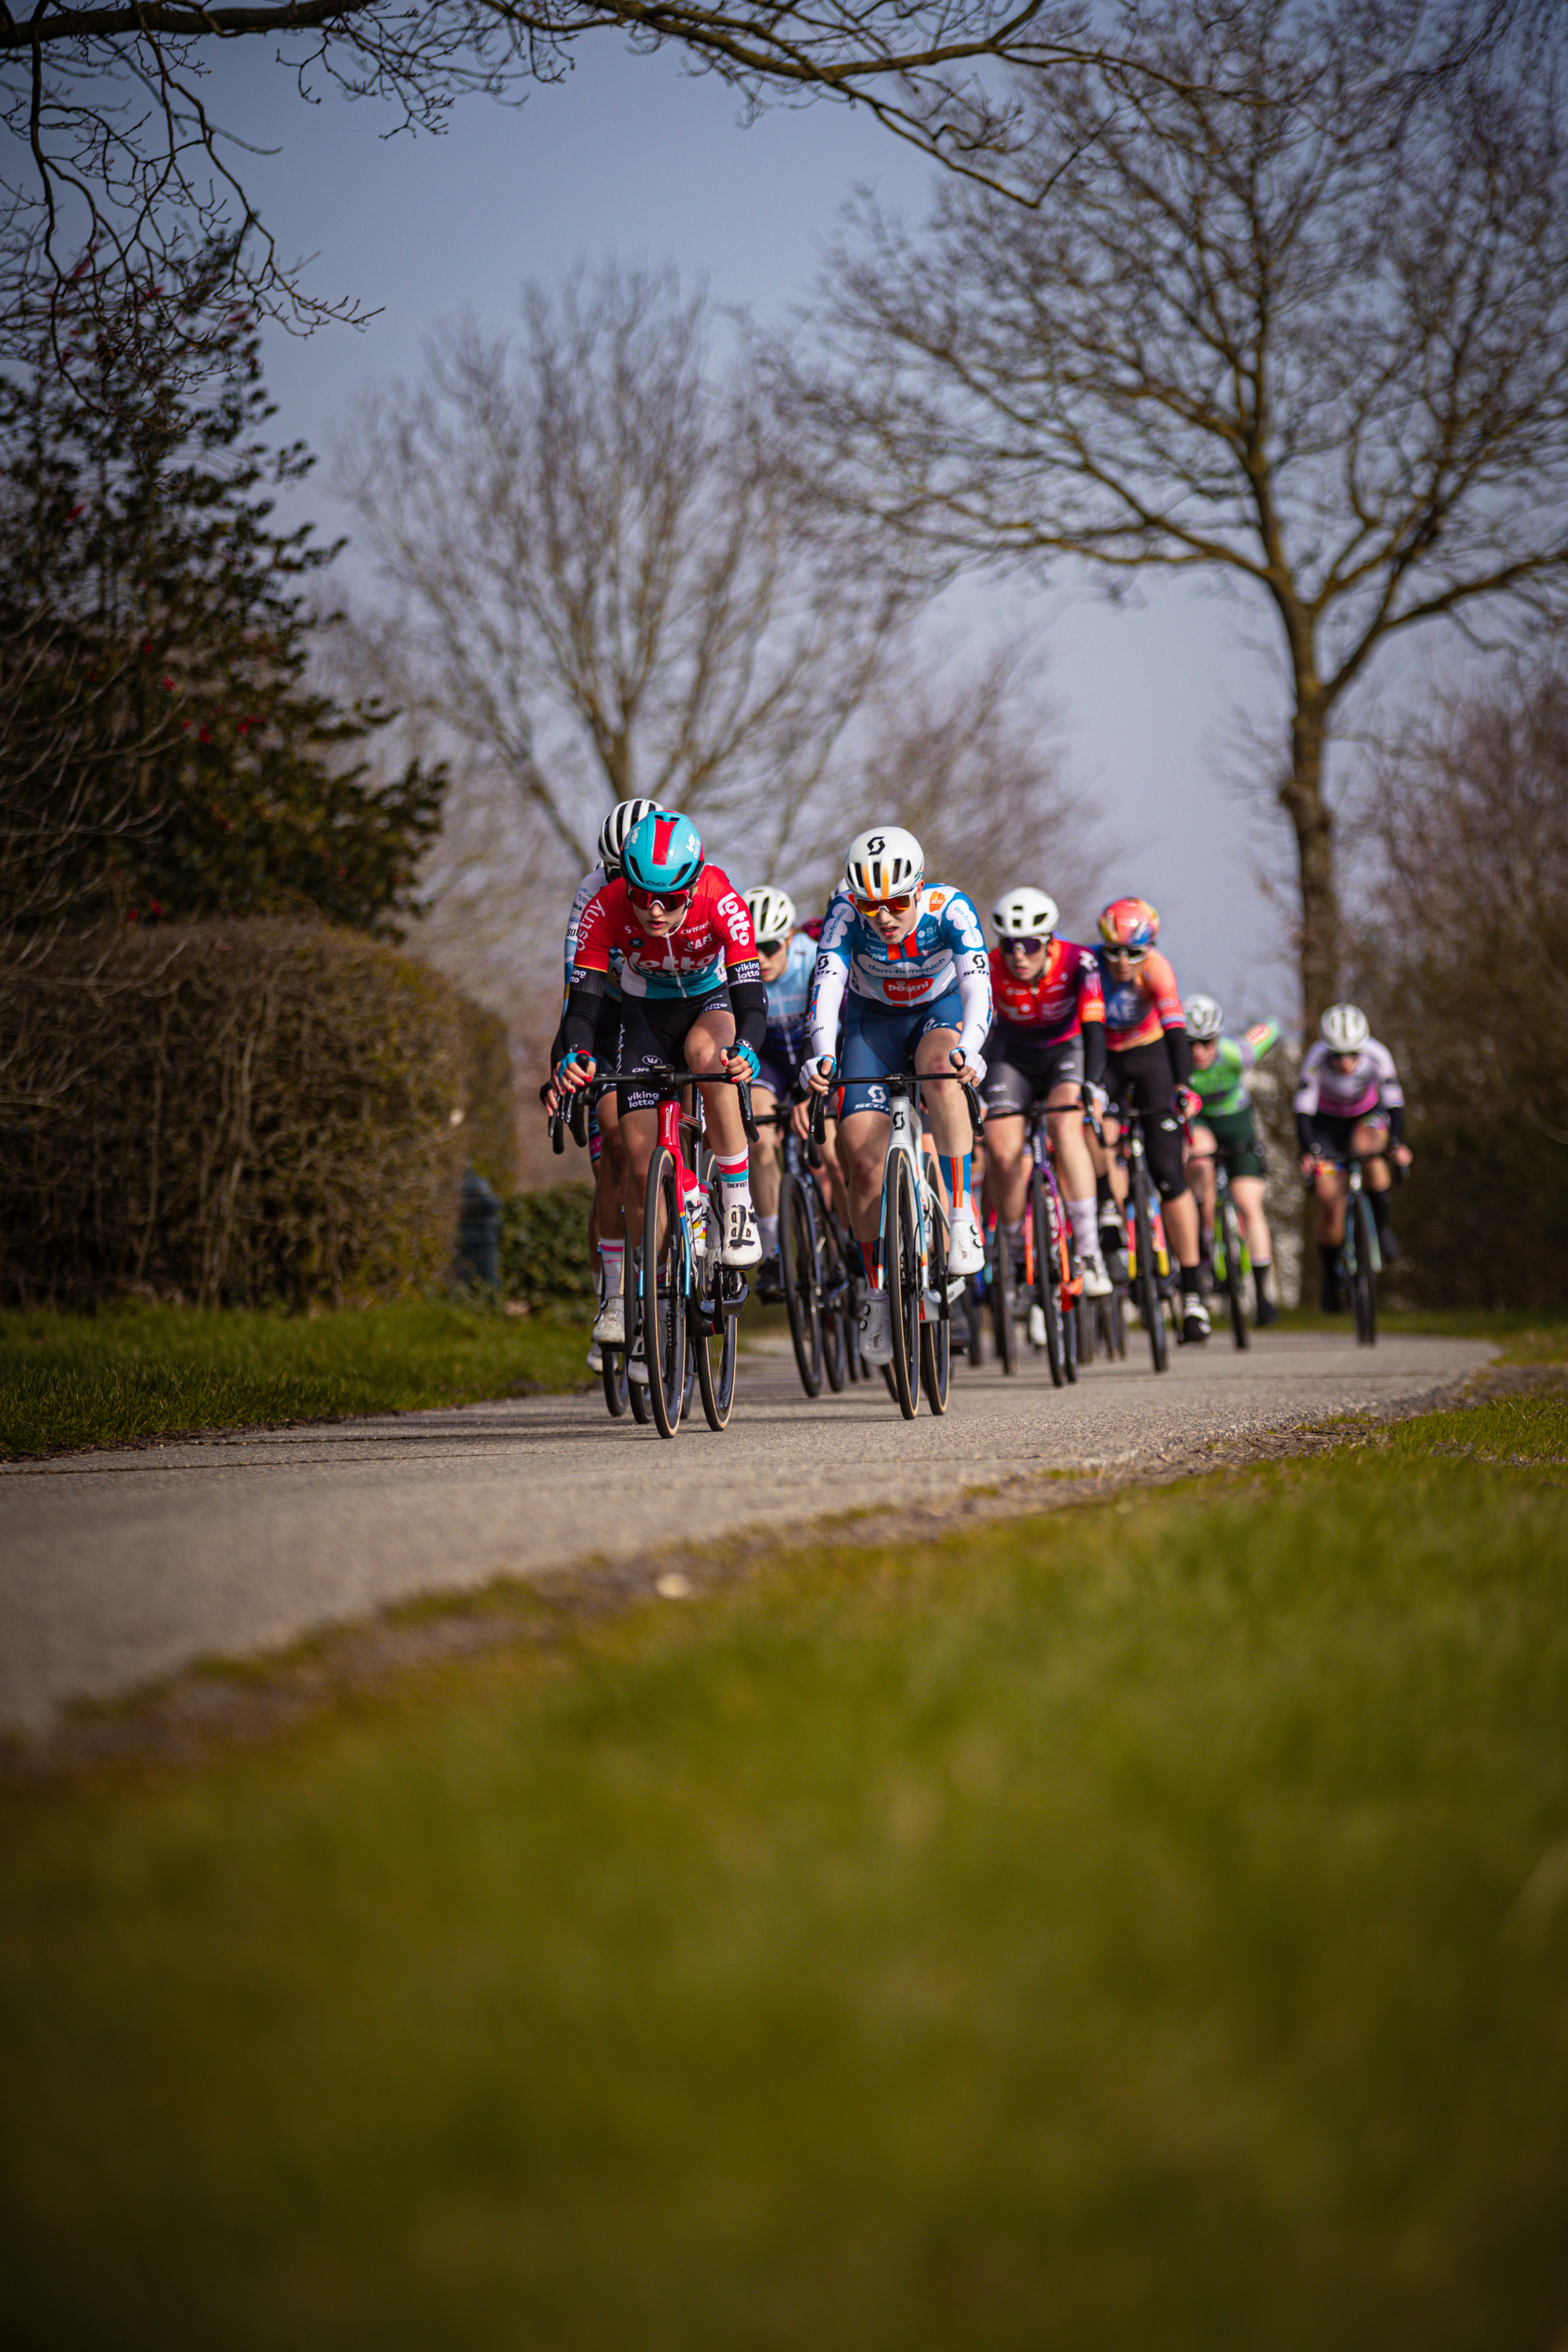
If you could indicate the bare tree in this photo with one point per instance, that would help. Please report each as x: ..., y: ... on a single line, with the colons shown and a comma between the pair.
x: 117, y: 146
x: 1295, y: 318
x: 599, y: 578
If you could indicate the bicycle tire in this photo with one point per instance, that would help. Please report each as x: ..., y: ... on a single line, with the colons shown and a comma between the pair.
x: 613, y: 1373
x: 664, y: 1291
x: 1234, y: 1280
x: 999, y: 1285
x: 715, y: 1341
x: 1116, y: 1326
x: 1364, y: 1286
x: 799, y: 1269
x: 1048, y: 1275
x: 836, y: 1316
x: 636, y: 1392
x: 1150, y: 1303
x: 902, y: 1275
x: 1071, y: 1333
x: 936, y: 1338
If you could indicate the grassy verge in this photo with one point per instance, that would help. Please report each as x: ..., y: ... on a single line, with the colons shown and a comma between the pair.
x: 137, y: 1372
x: 1143, y: 1927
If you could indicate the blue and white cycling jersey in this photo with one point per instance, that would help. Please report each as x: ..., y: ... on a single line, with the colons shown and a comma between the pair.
x: 789, y: 1002
x: 944, y: 950
x: 591, y: 885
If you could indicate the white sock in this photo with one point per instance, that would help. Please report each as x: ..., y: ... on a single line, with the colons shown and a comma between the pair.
x: 1085, y: 1230
x: 610, y: 1256
x: 768, y: 1227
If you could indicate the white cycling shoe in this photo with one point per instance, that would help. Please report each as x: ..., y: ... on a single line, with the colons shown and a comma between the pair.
x: 876, y: 1328
x: 743, y: 1242
x: 637, y: 1363
x: 610, y: 1323
x: 965, y: 1245
x: 1096, y: 1281
x: 595, y: 1360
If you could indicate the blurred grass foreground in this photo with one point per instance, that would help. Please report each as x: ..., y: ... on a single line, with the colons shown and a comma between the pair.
x: 1140, y: 1926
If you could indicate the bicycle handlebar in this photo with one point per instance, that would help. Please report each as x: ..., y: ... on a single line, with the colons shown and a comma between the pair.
x: 899, y: 1083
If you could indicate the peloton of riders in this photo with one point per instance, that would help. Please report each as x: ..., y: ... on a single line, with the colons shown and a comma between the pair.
x: 666, y: 963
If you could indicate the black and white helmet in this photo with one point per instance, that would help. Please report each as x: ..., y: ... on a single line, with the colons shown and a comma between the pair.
x: 1026, y: 915
x: 1205, y: 1020
x: 622, y: 819
x: 884, y: 862
x: 1345, y: 1029
x: 772, y: 914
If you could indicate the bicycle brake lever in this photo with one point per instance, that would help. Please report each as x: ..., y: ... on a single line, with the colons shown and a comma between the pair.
x: 753, y: 1133
x: 557, y: 1131
x: 580, y: 1118
x: 819, y: 1123
x: 976, y: 1115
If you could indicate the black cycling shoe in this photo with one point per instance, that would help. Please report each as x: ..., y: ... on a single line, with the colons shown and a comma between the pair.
x: 1267, y: 1313
x: 770, y: 1280
x: 1195, y: 1323
x: 1331, y: 1298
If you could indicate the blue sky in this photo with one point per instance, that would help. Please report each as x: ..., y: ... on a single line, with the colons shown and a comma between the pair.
x: 631, y: 157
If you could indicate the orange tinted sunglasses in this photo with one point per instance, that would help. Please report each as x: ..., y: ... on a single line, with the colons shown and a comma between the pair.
x: 899, y: 906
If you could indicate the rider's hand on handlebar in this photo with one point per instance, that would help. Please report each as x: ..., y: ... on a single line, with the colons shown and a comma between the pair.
x: 800, y: 1120
x: 962, y: 1068
x: 1401, y: 1155
x: 574, y: 1071
x: 818, y: 1076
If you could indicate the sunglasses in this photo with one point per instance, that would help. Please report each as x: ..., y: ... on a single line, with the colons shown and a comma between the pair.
x: 1022, y: 947
x: 658, y: 902
x: 772, y: 947
x: 899, y: 906
x: 1127, y: 955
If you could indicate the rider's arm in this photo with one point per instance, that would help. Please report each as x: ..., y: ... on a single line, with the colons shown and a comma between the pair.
x: 831, y: 980
x: 1251, y: 1048
x: 584, y: 1000
x: 1094, y: 1047
x: 1306, y: 1102
x: 1159, y: 985
x: 749, y: 1003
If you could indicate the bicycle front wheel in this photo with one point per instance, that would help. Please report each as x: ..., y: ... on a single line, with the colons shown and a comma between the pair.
x: 902, y: 1274
x: 631, y: 1292
x: 614, y: 1376
x: 664, y: 1291
x: 999, y: 1282
x: 1047, y: 1274
x: 936, y: 1338
x: 798, y: 1265
x: 1234, y: 1280
x: 1150, y: 1303
x: 1363, y: 1285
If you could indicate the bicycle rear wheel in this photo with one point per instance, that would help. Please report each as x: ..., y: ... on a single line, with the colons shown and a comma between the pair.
x: 664, y: 1291
x: 902, y: 1274
x: 636, y: 1392
x: 936, y: 1338
x: 1047, y: 1274
x: 798, y: 1258
x: 1147, y: 1280
x: 999, y: 1284
x: 1234, y: 1280
x: 714, y: 1340
x: 1364, y: 1283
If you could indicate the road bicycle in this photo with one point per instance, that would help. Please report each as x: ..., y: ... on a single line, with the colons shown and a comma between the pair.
x: 619, y: 1393
x: 912, y: 1242
x: 813, y: 1266
x: 1148, y: 1261
x: 1231, y: 1263
x: 1361, y: 1259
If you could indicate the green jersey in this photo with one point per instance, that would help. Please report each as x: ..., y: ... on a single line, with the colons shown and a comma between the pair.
x: 1222, y: 1088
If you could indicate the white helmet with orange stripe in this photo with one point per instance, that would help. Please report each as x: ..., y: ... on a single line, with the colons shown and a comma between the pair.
x: 884, y: 863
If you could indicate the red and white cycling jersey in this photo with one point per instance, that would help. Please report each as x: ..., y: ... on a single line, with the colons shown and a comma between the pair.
x: 1058, y: 1003
x: 714, y: 935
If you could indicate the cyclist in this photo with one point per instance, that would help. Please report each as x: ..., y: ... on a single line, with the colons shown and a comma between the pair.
x: 1149, y: 1061
x: 606, y: 1152
x: 1228, y: 1132
x: 1348, y: 1104
x: 1048, y: 1038
x: 691, y: 986
x: 786, y: 957
x: 907, y: 964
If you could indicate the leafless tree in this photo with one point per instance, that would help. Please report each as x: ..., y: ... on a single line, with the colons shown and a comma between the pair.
x: 1295, y: 318
x: 600, y: 578
x: 117, y: 146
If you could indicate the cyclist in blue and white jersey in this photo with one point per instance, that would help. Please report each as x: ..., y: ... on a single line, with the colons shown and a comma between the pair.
x: 787, y: 958
x: 906, y: 965
x: 606, y: 1220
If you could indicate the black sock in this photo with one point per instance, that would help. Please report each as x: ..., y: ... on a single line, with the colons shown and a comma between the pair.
x: 1260, y: 1280
x: 1192, y: 1287
x: 1379, y: 1209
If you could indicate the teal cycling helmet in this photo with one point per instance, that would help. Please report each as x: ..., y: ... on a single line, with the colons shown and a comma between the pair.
x: 662, y: 854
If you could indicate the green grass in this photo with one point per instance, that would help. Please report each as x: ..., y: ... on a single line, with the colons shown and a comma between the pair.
x: 1141, y: 1926
x: 137, y: 1372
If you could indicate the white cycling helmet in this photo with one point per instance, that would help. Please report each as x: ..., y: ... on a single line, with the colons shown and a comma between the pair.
x: 884, y: 863
x: 1345, y: 1029
x: 622, y: 819
x: 772, y: 914
x: 1205, y: 1019
x: 1026, y: 915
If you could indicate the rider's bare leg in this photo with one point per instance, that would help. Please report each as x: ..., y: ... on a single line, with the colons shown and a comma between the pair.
x: 1200, y: 1176
x: 1007, y: 1167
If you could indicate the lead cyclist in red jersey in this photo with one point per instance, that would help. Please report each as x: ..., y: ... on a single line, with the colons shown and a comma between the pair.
x: 692, y: 990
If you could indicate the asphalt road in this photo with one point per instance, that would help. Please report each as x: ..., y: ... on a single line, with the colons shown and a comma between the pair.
x: 117, y: 1568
